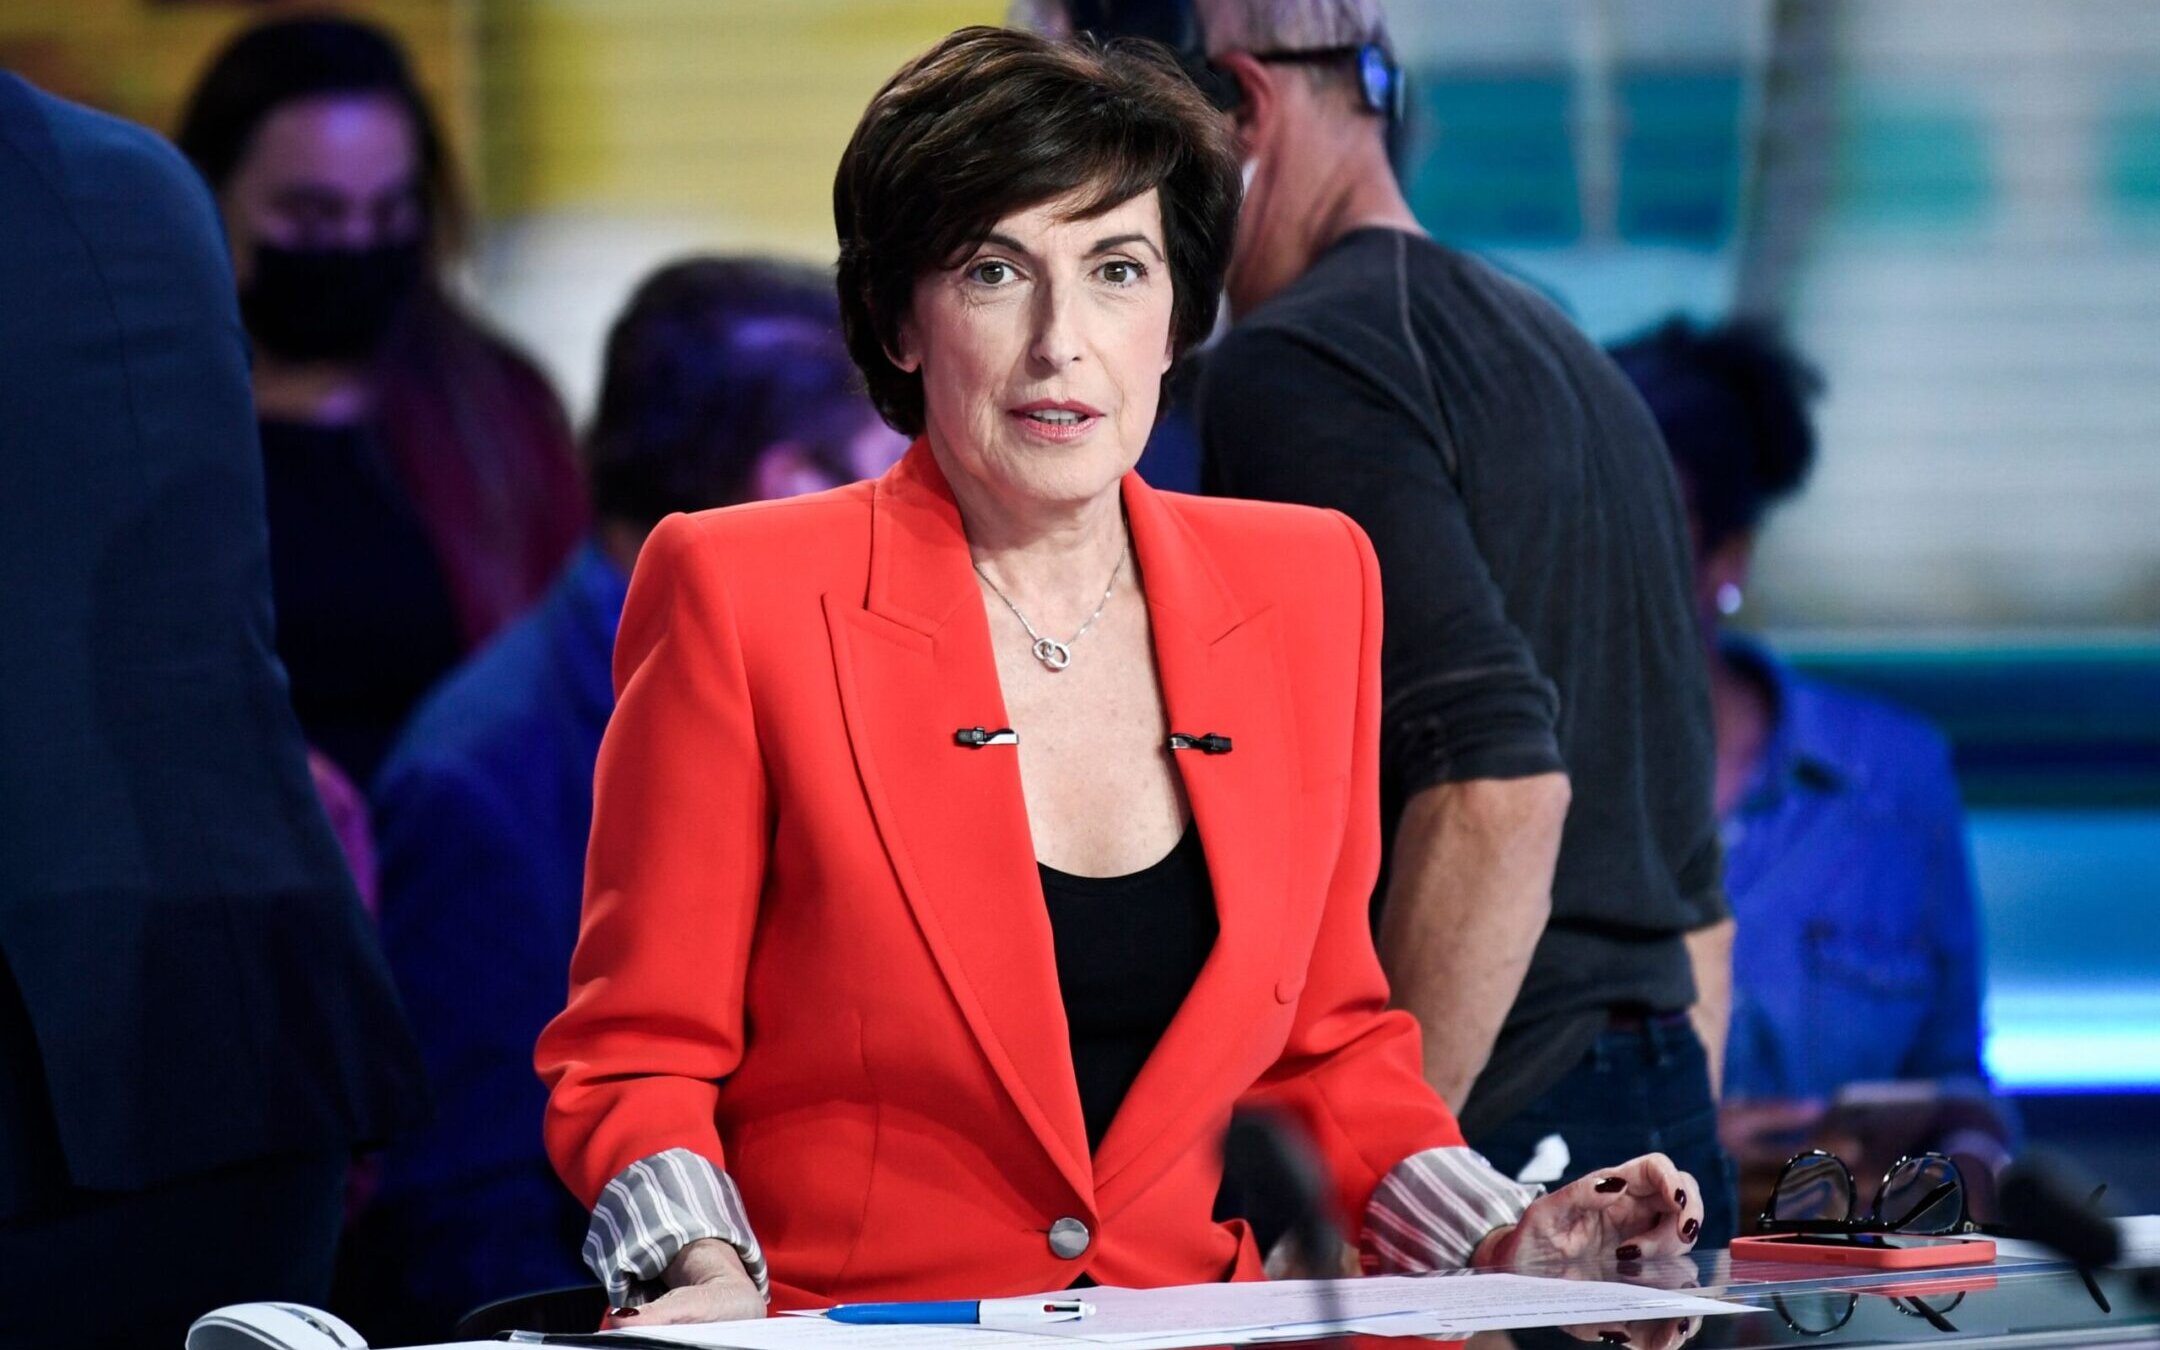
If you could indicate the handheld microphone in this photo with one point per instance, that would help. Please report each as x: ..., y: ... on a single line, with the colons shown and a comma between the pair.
x: 2044, y: 1198
x: 1282, y: 1178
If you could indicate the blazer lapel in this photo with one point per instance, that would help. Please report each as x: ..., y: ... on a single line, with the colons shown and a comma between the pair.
x: 1222, y: 671
x: 915, y: 665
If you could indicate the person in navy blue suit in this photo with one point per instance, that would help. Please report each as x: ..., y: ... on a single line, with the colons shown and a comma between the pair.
x: 196, y: 1028
x: 725, y: 381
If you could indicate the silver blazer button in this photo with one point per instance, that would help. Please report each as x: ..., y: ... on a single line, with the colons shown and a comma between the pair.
x: 1069, y: 1238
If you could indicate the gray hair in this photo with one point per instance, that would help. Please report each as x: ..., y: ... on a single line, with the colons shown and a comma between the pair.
x: 1242, y: 25
x: 1290, y: 25
x: 1049, y: 18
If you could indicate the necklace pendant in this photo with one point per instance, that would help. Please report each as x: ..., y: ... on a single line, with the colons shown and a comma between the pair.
x: 1053, y: 653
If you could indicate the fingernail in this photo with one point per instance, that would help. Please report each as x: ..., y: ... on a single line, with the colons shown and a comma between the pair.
x: 1631, y: 1252
x: 622, y: 1312
x: 1611, y: 1185
x: 1689, y: 1229
x: 1613, y: 1337
x: 1680, y: 1196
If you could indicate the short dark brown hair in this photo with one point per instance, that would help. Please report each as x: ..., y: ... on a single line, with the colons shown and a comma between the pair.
x: 992, y: 121
x: 712, y: 362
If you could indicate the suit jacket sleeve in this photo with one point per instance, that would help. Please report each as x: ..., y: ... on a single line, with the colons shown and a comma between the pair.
x: 189, y: 948
x: 1352, y: 1071
x: 679, y: 846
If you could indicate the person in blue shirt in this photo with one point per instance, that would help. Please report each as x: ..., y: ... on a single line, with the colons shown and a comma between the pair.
x: 1857, y: 957
x: 726, y: 381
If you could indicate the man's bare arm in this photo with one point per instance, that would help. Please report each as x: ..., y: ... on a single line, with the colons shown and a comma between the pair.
x: 1467, y: 900
x: 1710, y: 953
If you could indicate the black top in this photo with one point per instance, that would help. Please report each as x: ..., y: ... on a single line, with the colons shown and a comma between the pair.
x: 1128, y: 951
x: 365, y: 622
x: 1534, y: 561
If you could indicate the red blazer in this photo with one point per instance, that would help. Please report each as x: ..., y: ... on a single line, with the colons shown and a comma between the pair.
x: 815, y: 948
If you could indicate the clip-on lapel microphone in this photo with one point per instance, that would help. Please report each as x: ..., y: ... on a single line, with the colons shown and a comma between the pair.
x: 1207, y: 744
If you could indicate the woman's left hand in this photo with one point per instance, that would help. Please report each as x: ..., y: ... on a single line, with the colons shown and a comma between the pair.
x: 1638, y: 1210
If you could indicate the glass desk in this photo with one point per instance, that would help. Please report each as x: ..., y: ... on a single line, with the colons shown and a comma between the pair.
x: 2016, y: 1304
x: 2024, y: 1304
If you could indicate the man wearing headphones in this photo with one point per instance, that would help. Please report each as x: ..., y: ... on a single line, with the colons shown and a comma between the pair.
x: 1552, y: 910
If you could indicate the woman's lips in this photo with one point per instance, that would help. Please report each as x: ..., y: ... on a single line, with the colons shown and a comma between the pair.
x: 1056, y: 422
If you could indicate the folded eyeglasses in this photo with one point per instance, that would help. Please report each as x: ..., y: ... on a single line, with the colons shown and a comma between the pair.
x: 1923, y: 1195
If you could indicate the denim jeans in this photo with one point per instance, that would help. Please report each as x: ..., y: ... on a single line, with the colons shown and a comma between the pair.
x: 1643, y: 1089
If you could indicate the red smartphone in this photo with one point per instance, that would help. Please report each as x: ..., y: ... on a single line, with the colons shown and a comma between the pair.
x: 1875, y: 1251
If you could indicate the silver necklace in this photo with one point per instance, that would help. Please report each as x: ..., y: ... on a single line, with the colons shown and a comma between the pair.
x: 1051, y: 652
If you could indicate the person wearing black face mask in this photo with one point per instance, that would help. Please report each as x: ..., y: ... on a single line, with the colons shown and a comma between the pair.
x: 420, y: 480
x: 329, y: 304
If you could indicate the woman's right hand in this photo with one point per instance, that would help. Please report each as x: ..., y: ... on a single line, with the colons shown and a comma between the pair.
x: 706, y: 1283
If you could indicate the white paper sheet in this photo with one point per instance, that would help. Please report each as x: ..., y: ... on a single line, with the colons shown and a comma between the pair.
x: 1229, y: 1314
x: 2140, y: 1240
x: 1211, y: 1314
x: 814, y: 1333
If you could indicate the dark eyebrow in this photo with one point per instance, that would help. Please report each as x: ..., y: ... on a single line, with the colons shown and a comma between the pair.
x: 409, y: 186
x: 1115, y: 241
x: 1120, y: 240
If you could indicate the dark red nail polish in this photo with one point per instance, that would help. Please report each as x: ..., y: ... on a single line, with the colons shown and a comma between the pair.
x: 1611, y: 1186
x: 1689, y: 1229
x: 1680, y: 1196
x: 1631, y: 1252
x: 622, y: 1312
x: 1613, y: 1337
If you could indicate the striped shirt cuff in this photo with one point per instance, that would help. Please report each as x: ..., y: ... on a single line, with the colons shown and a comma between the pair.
x: 1433, y: 1209
x: 653, y: 1209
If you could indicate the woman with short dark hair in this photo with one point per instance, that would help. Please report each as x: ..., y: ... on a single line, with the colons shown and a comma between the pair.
x: 970, y: 844
x: 418, y: 471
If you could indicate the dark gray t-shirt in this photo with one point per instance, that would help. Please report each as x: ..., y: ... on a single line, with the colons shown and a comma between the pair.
x: 1534, y: 559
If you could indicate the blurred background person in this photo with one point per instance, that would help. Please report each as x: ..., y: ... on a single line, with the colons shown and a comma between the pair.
x: 725, y: 381
x: 196, y: 1029
x: 419, y: 472
x: 1857, y: 959
x: 1551, y: 908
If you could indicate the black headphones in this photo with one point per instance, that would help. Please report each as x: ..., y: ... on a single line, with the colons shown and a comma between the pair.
x: 1176, y: 25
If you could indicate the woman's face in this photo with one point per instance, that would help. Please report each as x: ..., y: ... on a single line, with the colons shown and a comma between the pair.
x: 341, y: 171
x: 1042, y: 352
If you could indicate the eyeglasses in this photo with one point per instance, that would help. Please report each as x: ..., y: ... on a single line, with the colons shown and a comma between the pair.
x: 1818, y: 1313
x: 1923, y: 1194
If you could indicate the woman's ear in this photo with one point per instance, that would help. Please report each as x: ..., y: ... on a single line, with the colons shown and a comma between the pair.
x: 904, y: 352
x: 1731, y: 561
